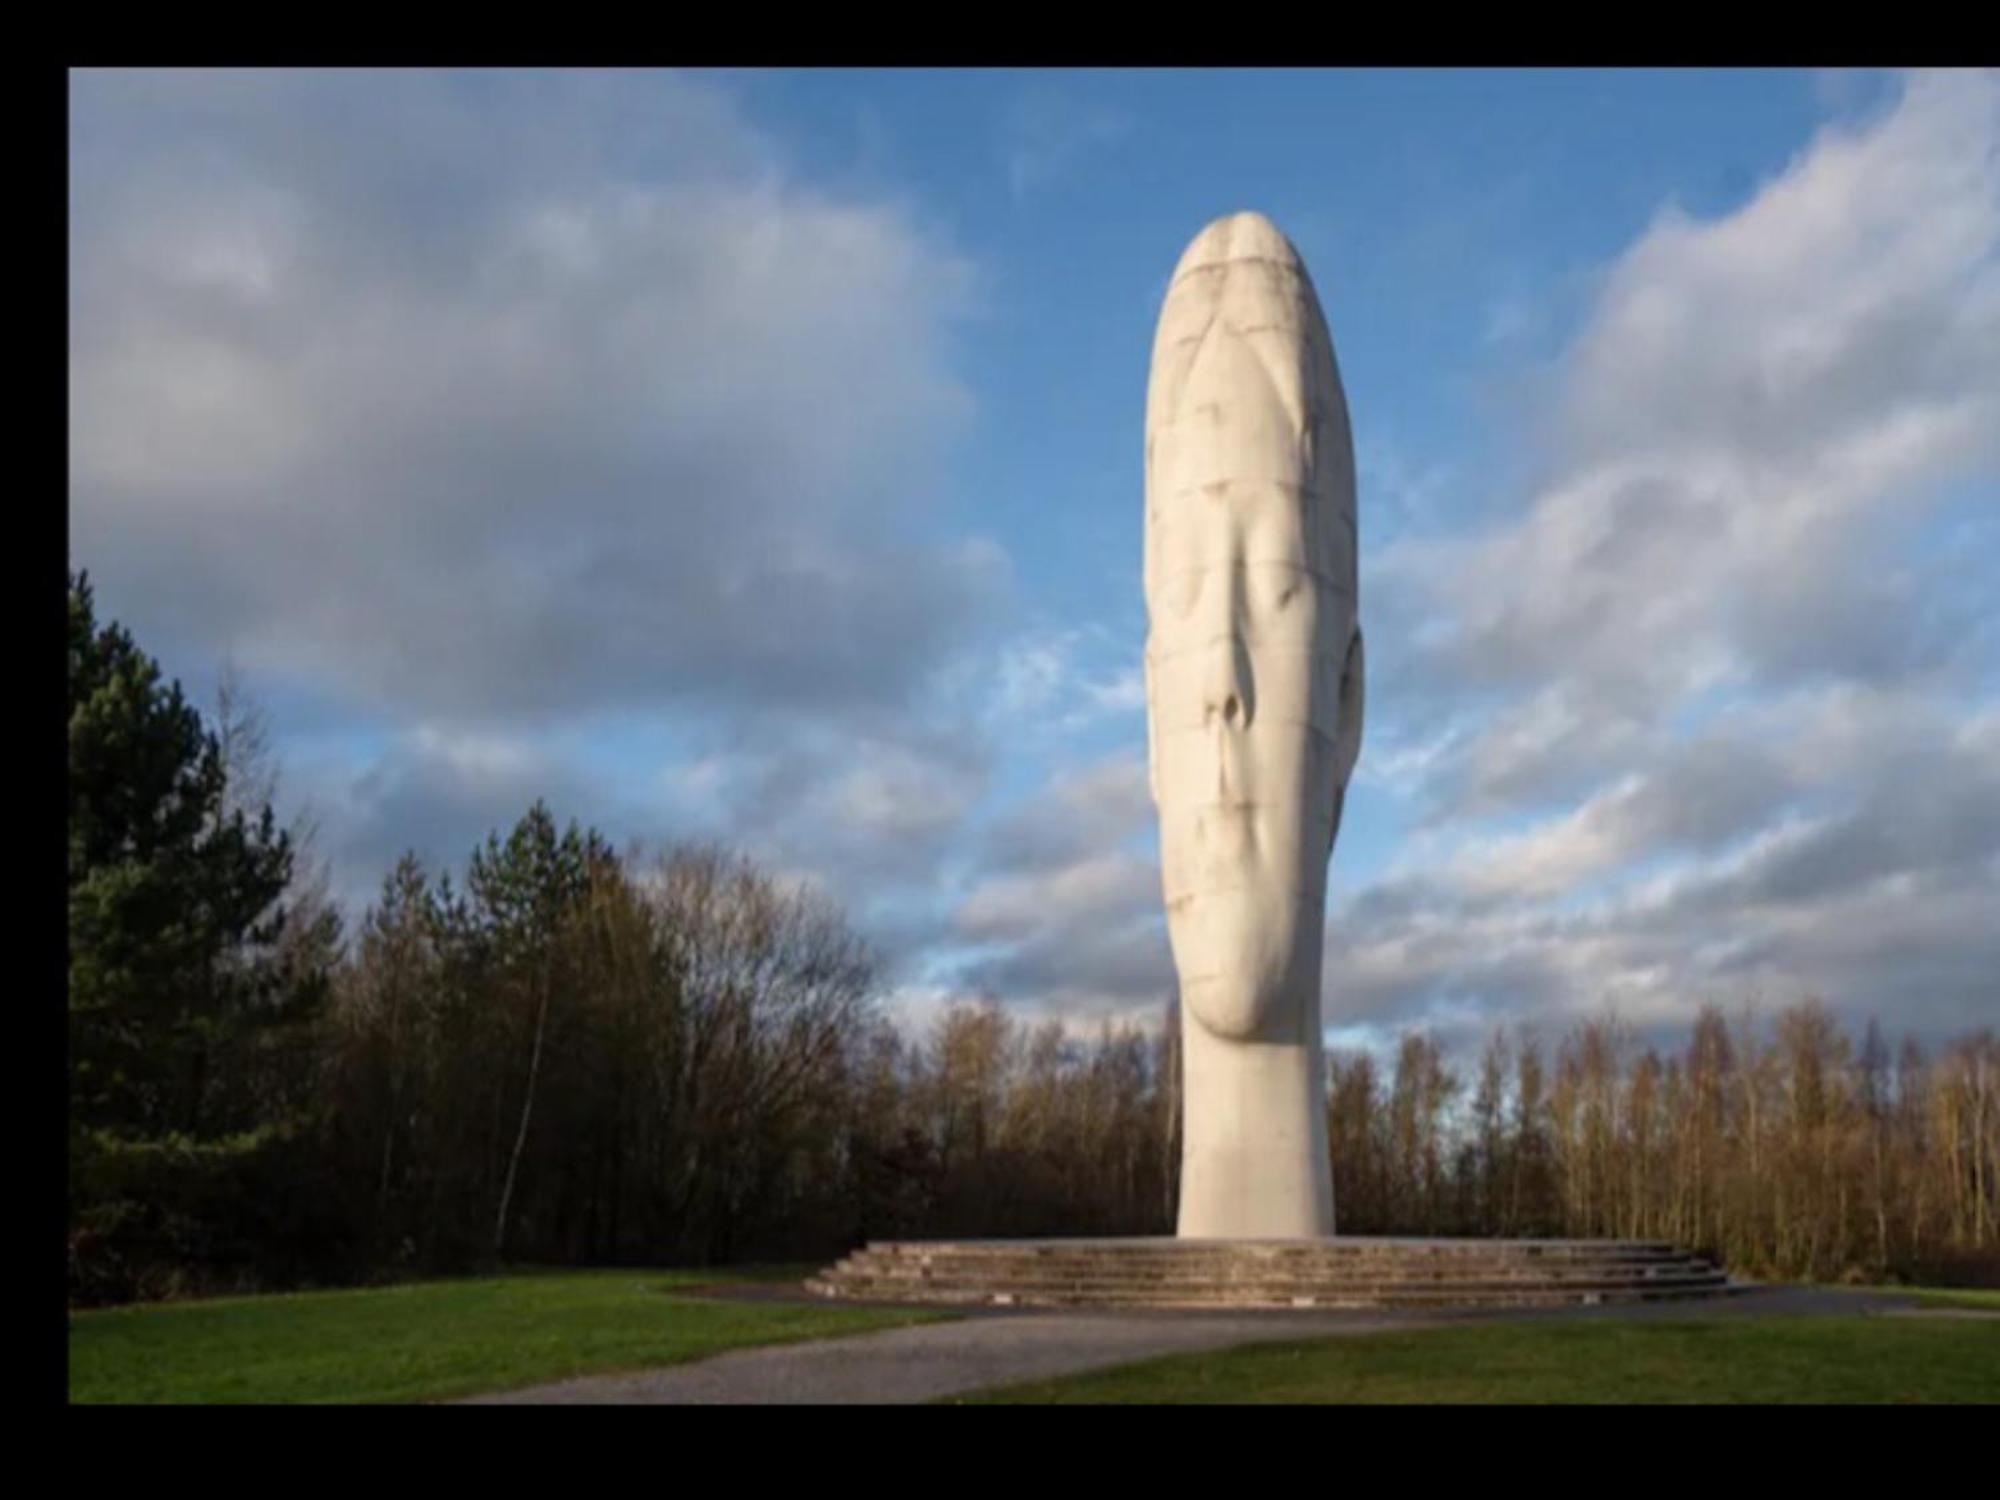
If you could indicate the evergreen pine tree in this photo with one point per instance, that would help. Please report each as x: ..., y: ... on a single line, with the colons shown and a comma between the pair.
x: 173, y: 901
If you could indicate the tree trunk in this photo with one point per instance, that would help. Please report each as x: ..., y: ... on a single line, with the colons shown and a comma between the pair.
x: 521, y: 1134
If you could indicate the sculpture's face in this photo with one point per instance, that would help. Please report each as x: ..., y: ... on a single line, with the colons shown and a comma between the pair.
x: 1245, y: 658
x: 1253, y: 656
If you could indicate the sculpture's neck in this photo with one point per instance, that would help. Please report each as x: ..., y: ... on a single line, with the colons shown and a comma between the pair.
x: 1253, y: 1134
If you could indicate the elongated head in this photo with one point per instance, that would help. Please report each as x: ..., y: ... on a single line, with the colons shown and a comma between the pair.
x: 1253, y: 650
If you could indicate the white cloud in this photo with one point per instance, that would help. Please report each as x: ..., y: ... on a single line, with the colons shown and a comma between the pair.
x: 1055, y: 681
x: 1702, y: 720
x: 1724, y: 708
x: 496, y: 403
x: 1080, y: 894
x: 1063, y: 903
x: 1751, y: 395
x: 1094, y: 808
x: 493, y: 396
x: 1044, y: 135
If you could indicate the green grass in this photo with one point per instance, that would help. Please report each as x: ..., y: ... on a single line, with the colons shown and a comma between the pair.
x: 429, y: 1340
x: 1727, y: 1360
x: 1970, y: 1298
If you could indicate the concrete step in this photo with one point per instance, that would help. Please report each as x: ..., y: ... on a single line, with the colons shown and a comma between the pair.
x: 1302, y: 1265
x: 1197, y: 1275
x: 905, y: 1257
x: 1303, y: 1283
x: 1191, y: 1250
x: 1444, y: 1298
x: 1285, y: 1286
x: 1360, y: 1272
x: 1355, y: 1297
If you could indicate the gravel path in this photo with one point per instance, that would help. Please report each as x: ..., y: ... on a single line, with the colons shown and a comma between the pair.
x: 907, y: 1365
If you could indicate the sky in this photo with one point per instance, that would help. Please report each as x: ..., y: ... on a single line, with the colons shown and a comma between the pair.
x: 754, y: 457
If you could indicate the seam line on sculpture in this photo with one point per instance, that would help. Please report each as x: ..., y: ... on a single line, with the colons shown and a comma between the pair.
x: 1195, y: 338
x: 1293, y: 266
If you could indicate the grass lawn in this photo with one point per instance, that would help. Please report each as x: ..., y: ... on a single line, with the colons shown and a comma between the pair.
x: 433, y: 1339
x: 1971, y: 1299
x: 1745, y: 1359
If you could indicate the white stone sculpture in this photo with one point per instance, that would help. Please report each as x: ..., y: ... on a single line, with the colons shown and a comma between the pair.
x: 1253, y: 705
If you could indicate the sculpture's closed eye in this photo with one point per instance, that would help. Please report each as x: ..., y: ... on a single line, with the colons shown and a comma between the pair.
x: 1280, y: 587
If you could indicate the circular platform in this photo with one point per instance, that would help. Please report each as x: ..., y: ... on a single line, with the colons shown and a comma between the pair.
x: 1346, y: 1271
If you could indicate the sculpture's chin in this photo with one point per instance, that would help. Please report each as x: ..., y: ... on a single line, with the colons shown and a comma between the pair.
x: 1245, y: 974
x: 1237, y: 1012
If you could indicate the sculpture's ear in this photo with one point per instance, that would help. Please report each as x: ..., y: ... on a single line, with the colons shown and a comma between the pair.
x: 1347, y: 746
x: 1353, y: 685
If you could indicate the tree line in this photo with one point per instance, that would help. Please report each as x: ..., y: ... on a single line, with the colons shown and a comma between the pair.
x: 1785, y: 1149
x: 566, y: 1053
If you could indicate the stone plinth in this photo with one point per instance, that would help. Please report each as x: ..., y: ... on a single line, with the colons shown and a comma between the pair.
x: 1341, y: 1272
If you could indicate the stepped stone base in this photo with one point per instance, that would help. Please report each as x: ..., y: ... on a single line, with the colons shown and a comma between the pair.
x: 1346, y: 1271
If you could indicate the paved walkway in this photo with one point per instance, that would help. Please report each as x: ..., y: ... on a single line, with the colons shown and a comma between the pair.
x: 991, y: 1348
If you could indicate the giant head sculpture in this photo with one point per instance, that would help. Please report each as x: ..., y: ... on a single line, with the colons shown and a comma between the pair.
x: 1253, y: 689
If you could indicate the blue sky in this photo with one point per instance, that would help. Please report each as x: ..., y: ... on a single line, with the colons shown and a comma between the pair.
x: 755, y: 456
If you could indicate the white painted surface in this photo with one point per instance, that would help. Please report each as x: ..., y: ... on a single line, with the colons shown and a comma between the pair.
x: 1254, y: 679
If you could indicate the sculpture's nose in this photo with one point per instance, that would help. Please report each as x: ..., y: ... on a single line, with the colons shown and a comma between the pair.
x: 1226, y: 689
x: 1226, y: 701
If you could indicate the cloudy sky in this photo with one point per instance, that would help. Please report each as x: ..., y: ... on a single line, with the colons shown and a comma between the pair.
x: 756, y: 457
